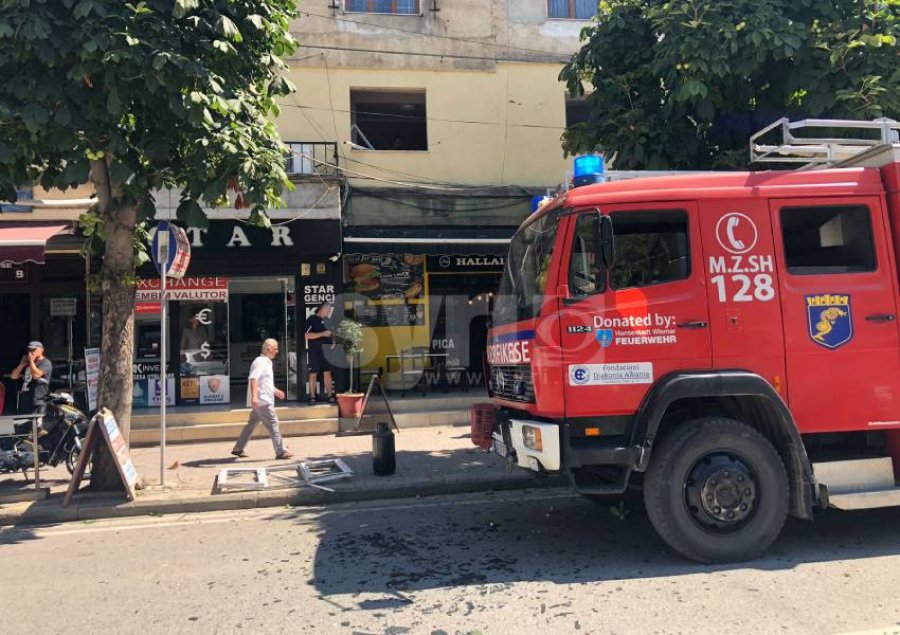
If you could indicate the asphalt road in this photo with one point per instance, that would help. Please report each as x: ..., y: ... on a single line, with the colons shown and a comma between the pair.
x: 517, y: 562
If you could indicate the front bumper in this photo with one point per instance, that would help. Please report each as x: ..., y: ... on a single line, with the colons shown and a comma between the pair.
x: 559, y: 450
x: 510, y: 443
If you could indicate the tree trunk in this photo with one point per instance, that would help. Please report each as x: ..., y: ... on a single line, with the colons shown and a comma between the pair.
x: 115, y: 382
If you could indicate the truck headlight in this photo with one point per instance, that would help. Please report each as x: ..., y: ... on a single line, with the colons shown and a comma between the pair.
x: 531, y: 437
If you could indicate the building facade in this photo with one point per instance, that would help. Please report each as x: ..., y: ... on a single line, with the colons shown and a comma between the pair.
x: 448, y: 116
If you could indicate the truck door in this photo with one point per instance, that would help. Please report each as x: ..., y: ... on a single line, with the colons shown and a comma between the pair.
x: 646, y: 317
x: 744, y: 306
x: 838, y: 288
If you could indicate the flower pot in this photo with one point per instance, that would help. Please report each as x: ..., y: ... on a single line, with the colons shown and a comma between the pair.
x: 350, y: 404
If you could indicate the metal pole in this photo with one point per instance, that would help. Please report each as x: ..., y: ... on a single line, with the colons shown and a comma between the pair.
x: 71, y: 333
x: 162, y: 372
x: 37, y: 456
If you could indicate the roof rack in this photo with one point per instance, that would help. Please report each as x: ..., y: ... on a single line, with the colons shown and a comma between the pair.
x: 814, y: 151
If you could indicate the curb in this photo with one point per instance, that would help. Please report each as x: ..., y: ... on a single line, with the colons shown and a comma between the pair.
x: 88, y: 506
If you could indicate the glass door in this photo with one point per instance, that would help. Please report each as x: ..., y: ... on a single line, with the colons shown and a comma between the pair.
x: 259, y: 309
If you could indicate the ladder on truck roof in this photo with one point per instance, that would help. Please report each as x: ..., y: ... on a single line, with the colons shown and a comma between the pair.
x: 877, y: 136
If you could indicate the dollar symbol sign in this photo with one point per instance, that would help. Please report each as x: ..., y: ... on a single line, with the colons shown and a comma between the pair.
x: 204, y: 350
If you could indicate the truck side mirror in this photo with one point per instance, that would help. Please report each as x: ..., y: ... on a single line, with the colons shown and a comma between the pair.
x: 607, y: 242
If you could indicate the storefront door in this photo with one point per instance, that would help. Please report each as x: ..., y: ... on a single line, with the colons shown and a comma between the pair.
x: 15, y: 322
x: 262, y: 308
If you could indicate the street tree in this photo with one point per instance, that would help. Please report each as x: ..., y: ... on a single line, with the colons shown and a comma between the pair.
x: 683, y: 83
x: 134, y: 97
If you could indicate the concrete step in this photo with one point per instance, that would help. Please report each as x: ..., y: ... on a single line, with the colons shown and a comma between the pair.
x: 198, y: 416
x: 183, y: 416
x: 859, y: 475
x: 229, y: 430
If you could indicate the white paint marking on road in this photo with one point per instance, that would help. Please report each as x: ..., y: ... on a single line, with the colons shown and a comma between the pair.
x: 304, y: 514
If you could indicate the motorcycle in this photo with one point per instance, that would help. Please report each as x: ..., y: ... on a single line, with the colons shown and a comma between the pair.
x: 63, y: 442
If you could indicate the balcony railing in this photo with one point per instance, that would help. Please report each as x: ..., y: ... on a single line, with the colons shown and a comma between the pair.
x: 313, y: 157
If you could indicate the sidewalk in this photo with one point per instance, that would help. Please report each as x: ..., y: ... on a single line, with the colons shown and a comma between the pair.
x: 433, y: 460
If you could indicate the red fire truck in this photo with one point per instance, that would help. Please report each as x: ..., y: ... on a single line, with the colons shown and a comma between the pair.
x: 726, y: 343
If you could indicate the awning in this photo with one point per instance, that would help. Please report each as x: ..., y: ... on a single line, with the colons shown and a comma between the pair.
x: 428, y: 240
x: 26, y: 242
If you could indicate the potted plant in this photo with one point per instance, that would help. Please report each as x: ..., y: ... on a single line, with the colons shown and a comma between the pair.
x: 349, y: 336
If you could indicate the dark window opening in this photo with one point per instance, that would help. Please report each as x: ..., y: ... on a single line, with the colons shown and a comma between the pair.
x: 572, y: 9
x: 821, y: 240
x: 651, y: 248
x: 388, y: 120
x: 577, y: 111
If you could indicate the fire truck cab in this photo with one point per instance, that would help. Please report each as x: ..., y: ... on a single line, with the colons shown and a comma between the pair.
x: 726, y: 343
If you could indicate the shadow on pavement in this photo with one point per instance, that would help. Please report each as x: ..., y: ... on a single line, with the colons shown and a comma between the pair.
x: 542, y: 536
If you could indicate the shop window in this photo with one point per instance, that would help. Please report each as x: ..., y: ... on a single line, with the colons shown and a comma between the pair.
x: 396, y: 7
x: 583, y: 263
x: 572, y: 9
x: 651, y: 248
x: 820, y: 240
x: 388, y: 120
x: 203, y: 353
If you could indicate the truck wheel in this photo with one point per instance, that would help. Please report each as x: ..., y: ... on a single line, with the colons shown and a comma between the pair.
x: 716, y: 491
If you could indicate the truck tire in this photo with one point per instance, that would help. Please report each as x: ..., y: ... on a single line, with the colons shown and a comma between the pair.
x: 716, y: 491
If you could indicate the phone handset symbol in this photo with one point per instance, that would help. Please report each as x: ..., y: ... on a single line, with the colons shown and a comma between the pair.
x: 733, y: 222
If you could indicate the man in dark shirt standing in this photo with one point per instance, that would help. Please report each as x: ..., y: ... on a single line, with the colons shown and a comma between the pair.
x: 35, y: 371
x: 318, y: 335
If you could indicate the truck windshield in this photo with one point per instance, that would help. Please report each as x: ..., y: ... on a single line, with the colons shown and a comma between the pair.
x: 525, y: 277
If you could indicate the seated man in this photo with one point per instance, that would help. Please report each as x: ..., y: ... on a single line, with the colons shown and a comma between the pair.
x: 35, y: 371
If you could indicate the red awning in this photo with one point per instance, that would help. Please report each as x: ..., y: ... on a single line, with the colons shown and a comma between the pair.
x: 26, y: 242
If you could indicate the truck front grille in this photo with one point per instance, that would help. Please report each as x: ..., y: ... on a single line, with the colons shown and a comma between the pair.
x: 513, y: 383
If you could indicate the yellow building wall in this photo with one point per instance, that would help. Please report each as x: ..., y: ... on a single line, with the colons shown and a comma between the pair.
x: 484, y: 128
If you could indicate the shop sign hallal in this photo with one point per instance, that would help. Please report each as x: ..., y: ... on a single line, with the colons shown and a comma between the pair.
x: 448, y: 264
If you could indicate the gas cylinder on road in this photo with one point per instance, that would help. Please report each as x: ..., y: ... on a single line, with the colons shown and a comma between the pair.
x: 383, y: 458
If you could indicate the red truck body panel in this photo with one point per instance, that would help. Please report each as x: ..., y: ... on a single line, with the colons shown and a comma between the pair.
x: 740, y: 296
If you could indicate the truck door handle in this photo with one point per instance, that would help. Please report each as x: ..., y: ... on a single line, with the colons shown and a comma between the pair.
x: 881, y: 317
x: 692, y: 325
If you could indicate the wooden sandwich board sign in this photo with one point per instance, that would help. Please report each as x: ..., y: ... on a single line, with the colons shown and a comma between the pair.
x: 103, y: 427
x: 375, y: 409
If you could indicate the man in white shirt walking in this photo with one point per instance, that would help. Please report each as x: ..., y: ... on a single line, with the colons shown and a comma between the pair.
x: 261, y: 394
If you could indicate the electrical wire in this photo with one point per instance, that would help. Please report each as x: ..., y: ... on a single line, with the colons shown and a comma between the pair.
x: 331, y: 102
x: 432, y: 35
x: 457, y: 56
x: 401, y: 173
x: 435, y: 119
x: 362, y: 175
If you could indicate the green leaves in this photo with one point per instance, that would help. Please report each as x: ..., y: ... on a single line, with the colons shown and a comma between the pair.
x: 190, y: 213
x: 684, y: 84
x: 173, y: 94
x: 183, y: 7
x: 113, y: 103
x: 226, y: 28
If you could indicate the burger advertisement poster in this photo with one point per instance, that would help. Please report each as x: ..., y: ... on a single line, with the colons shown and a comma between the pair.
x: 386, y: 276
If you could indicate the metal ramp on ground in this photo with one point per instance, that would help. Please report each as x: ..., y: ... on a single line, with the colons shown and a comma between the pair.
x: 303, y: 474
